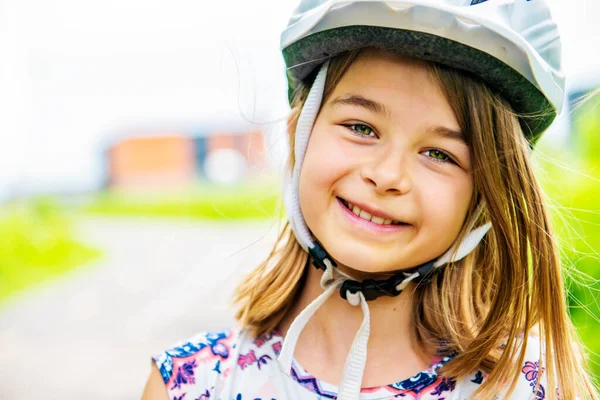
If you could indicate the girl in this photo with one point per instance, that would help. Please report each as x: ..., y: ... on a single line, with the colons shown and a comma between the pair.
x: 418, y: 260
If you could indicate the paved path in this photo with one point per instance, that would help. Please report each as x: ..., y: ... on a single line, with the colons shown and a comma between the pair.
x: 89, y: 335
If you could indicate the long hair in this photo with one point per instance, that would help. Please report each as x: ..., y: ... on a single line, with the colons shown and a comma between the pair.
x: 483, y: 307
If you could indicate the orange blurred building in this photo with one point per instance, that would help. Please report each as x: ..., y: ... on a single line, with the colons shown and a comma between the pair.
x: 175, y: 159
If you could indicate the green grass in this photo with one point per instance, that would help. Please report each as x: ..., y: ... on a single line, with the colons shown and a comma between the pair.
x: 203, y: 201
x: 37, y: 243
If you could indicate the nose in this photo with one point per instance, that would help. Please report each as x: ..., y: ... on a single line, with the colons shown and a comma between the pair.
x: 388, y: 173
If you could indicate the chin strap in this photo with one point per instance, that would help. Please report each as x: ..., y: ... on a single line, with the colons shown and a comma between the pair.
x: 371, y: 288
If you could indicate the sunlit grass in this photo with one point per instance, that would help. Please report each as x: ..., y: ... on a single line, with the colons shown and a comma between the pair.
x: 37, y: 243
x: 253, y: 200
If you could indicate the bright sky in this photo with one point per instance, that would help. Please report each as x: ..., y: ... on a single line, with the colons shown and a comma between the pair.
x: 75, y: 73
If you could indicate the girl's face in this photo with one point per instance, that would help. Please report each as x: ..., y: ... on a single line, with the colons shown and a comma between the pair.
x: 387, y: 145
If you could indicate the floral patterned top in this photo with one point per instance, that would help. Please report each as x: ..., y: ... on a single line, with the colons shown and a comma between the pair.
x: 230, y: 365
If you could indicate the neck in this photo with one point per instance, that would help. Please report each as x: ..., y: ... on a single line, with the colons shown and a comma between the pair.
x: 333, y: 327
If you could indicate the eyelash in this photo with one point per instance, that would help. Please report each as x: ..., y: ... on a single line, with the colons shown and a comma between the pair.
x: 437, y: 160
x: 448, y: 159
x: 351, y: 126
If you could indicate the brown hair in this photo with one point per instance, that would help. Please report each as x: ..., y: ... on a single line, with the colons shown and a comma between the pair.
x: 509, y: 286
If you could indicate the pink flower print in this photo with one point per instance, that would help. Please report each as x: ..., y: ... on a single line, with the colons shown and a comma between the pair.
x: 250, y: 358
x: 531, y: 371
x: 185, y: 375
x: 277, y: 348
x: 259, y: 341
x: 246, y: 359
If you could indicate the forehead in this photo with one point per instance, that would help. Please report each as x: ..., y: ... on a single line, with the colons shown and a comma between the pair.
x: 376, y: 60
x: 403, y: 85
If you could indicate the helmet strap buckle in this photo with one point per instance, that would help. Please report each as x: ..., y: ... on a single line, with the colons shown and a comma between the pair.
x: 318, y: 256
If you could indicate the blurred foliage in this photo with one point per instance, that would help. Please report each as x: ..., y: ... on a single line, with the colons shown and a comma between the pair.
x: 36, y: 243
x: 570, y: 175
x: 251, y: 200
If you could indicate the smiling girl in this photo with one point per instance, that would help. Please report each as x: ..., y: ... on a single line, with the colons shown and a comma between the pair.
x: 418, y: 260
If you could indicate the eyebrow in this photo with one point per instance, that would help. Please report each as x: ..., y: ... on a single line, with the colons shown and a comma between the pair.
x: 448, y: 133
x: 359, y: 101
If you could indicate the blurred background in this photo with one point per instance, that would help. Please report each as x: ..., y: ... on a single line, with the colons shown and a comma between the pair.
x: 141, y: 143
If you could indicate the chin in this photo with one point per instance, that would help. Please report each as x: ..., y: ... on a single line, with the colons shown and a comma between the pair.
x: 369, y: 261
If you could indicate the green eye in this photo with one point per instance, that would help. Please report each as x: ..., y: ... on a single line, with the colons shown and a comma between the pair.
x: 438, y: 155
x: 363, y: 130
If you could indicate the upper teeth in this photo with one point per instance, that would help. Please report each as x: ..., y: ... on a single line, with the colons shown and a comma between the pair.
x: 365, y: 215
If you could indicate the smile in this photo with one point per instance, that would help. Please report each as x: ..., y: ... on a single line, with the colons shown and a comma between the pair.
x: 364, y: 219
x: 368, y: 217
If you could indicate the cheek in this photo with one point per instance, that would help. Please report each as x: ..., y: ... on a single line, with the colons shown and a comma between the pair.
x: 321, y: 170
x: 446, y: 204
x: 324, y: 162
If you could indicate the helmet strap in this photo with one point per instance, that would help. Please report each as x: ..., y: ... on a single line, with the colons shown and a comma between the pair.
x: 372, y: 288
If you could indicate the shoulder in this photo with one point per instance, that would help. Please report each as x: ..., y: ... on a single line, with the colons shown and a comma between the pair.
x: 203, y: 365
x: 193, y: 365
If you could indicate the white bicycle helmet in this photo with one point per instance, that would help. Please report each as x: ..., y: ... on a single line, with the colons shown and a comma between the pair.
x: 513, y: 45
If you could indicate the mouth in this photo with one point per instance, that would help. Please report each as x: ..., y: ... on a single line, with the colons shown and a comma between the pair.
x: 374, y: 218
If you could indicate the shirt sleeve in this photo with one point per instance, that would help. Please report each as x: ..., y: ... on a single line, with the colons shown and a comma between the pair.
x: 192, y: 368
